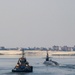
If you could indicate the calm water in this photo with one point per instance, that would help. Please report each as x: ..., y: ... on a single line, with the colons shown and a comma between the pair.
x: 67, y: 65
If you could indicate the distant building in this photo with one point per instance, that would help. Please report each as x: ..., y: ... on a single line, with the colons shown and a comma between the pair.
x: 2, y: 48
x: 43, y: 48
x: 49, y: 48
x: 65, y: 48
x: 69, y: 48
x: 55, y: 47
x: 73, y: 48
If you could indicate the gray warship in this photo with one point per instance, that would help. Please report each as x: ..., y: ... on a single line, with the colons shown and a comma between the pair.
x: 49, y: 61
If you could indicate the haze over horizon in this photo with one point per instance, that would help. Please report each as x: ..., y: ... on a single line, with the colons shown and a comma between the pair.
x: 40, y: 23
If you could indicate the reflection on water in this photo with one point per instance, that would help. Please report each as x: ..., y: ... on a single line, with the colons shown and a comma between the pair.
x: 66, y: 67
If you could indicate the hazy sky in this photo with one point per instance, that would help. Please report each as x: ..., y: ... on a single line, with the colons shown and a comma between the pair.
x: 40, y: 23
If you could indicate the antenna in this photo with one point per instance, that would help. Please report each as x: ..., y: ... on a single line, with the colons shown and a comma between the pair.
x: 23, y: 53
x: 47, y: 54
x: 47, y: 57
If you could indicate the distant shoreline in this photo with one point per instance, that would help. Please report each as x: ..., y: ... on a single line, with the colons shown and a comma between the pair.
x: 37, y: 52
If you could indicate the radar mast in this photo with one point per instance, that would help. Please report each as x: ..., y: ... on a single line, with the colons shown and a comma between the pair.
x: 23, y: 53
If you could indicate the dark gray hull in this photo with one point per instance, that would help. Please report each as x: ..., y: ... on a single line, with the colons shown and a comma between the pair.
x: 23, y: 70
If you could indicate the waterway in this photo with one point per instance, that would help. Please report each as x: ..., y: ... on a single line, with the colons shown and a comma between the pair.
x: 66, y: 67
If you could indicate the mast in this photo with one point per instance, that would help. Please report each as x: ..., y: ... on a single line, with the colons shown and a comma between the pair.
x: 47, y: 54
x: 47, y: 57
x: 23, y: 53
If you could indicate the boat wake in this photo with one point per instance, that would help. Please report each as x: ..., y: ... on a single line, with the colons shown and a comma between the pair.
x: 69, y: 66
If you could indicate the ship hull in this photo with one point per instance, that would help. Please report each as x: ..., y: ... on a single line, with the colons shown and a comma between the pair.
x: 23, y: 70
x: 53, y: 63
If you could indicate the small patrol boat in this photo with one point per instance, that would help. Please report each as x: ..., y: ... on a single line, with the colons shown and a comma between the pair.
x: 50, y: 61
x: 22, y: 65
